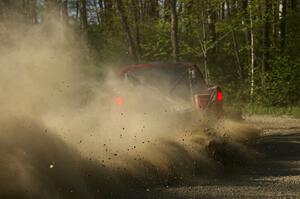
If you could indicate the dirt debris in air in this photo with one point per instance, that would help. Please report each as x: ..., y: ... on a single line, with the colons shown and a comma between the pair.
x: 275, y: 176
x: 80, y: 154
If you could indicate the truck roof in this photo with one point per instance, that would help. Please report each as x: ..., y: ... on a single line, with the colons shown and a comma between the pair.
x: 126, y: 68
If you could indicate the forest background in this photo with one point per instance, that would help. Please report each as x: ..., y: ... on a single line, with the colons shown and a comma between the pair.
x: 251, y: 48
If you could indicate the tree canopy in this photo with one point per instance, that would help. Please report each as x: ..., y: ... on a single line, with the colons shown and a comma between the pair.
x: 249, y: 47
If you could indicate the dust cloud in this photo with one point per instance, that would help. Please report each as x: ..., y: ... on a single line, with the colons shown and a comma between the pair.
x: 62, y: 135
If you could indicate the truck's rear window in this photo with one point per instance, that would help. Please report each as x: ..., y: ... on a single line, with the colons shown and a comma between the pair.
x: 171, y: 80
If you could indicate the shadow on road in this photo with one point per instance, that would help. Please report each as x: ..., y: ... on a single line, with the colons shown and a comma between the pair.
x: 281, y: 153
x: 280, y: 147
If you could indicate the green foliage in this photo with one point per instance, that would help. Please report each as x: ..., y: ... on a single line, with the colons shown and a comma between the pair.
x: 283, y: 83
x: 263, y: 110
x: 215, y: 33
x: 155, y: 44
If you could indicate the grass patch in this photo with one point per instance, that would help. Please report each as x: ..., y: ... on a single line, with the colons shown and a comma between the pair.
x: 261, y: 110
x: 251, y: 109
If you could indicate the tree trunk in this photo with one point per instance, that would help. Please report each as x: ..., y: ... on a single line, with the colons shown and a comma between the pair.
x: 131, y: 47
x: 174, y: 31
x: 29, y: 11
x: 223, y: 10
x: 252, y: 55
x: 34, y: 12
x: 101, y: 10
x: 137, y: 28
x: 283, y: 24
x: 101, y: 7
x: 246, y: 22
x: 266, y: 41
x: 154, y: 9
x: 228, y: 8
x: 83, y: 15
x: 1, y: 11
x: 212, y: 17
x: 53, y: 7
x: 204, y: 42
x: 293, y: 4
x: 237, y: 56
x: 65, y: 12
x: 275, y: 20
x: 97, y: 12
x: 77, y: 10
x: 25, y: 5
x: 108, y: 12
x: 167, y: 8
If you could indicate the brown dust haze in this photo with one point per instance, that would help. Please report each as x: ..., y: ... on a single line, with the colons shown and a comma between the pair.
x: 62, y: 136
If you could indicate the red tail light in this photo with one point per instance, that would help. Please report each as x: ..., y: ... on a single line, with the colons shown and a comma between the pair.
x: 119, y: 101
x: 219, y: 95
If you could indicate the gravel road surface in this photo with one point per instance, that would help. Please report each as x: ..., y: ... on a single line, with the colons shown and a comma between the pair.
x: 276, y: 174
